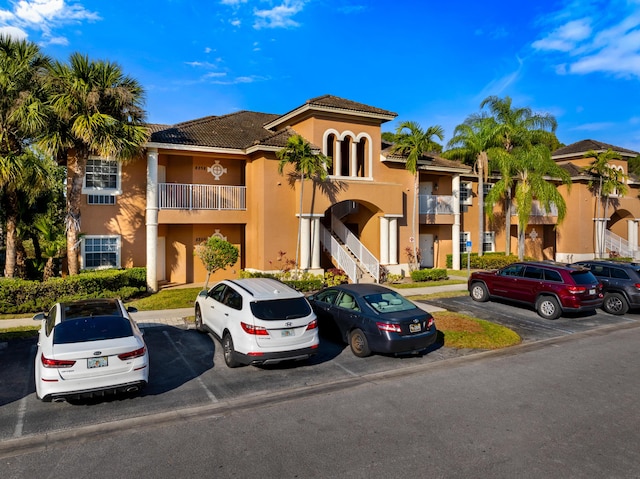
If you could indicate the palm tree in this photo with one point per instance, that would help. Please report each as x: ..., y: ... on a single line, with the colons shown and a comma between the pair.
x: 22, y: 99
x: 607, y: 181
x: 517, y: 127
x: 413, y: 142
x: 96, y: 110
x: 470, y: 143
x: 307, y: 163
x: 533, y: 173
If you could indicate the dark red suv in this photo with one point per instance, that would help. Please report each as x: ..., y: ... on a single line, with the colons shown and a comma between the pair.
x: 552, y: 288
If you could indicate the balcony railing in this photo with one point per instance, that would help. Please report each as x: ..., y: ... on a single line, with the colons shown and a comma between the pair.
x: 436, y: 204
x: 538, y: 210
x: 178, y: 196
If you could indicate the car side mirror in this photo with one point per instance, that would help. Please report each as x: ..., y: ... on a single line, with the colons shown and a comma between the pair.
x: 132, y: 309
x: 39, y: 316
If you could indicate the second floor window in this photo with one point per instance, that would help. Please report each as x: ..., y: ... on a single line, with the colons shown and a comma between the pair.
x: 466, y: 196
x: 102, y: 174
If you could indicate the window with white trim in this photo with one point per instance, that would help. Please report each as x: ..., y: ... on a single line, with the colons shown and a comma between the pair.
x: 466, y: 196
x: 464, y: 237
x: 100, y: 252
x: 489, y: 242
x: 487, y: 187
x: 101, y: 200
x: 102, y: 176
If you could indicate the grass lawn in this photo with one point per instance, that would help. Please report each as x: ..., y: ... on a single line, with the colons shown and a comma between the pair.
x: 173, y: 298
x: 464, y: 332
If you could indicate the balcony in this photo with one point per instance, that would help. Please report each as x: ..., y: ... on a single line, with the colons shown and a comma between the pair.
x: 436, y: 204
x: 177, y: 196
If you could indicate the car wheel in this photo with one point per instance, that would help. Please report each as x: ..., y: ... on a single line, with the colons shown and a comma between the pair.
x: 199, y: 326
x: 548, y: 307
x: 479, y: 292
x: 229, y: 352
x: 359, y: 344
x: 615, y: 303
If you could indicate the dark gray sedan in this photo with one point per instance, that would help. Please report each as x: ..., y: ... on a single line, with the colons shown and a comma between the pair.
x: 372, y: 318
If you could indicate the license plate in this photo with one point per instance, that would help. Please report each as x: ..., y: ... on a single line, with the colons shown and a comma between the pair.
x: 415, y: 328
x: 97, y: 362
x: 592, y: 291
x: 285, y: 333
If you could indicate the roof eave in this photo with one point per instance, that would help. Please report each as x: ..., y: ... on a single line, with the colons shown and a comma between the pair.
x: 308, y: 107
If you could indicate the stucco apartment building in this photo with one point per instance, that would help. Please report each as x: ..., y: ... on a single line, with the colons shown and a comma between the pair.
x: 218, y: 175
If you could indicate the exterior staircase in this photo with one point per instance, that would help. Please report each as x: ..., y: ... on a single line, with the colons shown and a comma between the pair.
x: 615, y: 244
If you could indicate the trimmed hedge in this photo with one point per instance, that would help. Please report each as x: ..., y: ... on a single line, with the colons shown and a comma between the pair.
x: 432, y: 274
x: 486, y: 261
x: 22, y: 296
x: 307, y: 283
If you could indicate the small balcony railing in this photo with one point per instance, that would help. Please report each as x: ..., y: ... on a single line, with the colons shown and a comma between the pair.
x: 436, y: 204
x: 538, y: 210
x: 179, y: 196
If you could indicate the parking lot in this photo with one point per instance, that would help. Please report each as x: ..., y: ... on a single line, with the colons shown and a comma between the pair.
x: 187, y: 369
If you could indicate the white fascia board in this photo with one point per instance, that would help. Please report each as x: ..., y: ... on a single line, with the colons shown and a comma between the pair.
x: 307, y: 107
x: 194, y: 148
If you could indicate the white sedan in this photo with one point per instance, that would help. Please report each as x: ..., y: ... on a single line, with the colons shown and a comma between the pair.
x: 88, y: 348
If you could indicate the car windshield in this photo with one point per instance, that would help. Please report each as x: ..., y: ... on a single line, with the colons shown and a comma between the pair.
x: 281, y: 309
x: 389, y: 302
x: 94, y: 328
x: 584, y: 277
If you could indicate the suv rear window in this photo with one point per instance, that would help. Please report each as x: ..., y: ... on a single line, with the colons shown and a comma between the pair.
x: 281, y: 309
x: 95, y: 328
x: 583, y: 277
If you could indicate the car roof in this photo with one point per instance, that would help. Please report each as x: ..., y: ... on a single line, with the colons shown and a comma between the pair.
x: 554, y: 264
x: 263, y: 289
x: 612, y: 263
x: 90, y: 307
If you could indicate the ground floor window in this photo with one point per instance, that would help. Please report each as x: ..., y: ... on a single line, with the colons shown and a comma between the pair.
x: 464, y: 237
x: 101, y: 252
x: 489, y: 242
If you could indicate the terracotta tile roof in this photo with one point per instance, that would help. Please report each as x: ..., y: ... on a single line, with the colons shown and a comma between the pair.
x: 579, y: 148
x: 236, y: 131
x: 344, y: 104
x: 430, y: 160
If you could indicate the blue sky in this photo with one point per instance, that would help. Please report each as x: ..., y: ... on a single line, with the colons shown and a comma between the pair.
x: 430, y: 62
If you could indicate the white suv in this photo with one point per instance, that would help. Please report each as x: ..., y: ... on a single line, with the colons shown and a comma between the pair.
x: 258, y: 321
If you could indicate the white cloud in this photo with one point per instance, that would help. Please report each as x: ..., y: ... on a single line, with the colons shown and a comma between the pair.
x: 13, y: 32
x: 279, y: 16
x: 593, y: 126
x: 606, y: 41
x: 44, y: 16
x: 232, y: 2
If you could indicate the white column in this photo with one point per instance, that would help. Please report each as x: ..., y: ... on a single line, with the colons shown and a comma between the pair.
x: 315, y: 245
x: 455, y: 228
x: 305, y: 243
x: 601, y: 226
x: 632, y: 235
x: 354, y: 159
x: 393, y: 240
x: 337, y: 153
x: 384, y: 240
x: 152, y: 219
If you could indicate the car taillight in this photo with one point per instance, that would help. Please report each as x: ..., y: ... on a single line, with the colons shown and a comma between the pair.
x: 56, y: 363
x: 256, y: 330
x: 389, y: 327
x: 430, y: 323
x: 576, y: 289
x: 133, y: 354
x: 312, y: 325
x: 637, y: 285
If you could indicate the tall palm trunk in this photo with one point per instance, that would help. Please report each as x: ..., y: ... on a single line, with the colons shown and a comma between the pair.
x: 507, y: 221
x: 298, y: 246
x: 480, y: 207
x: 11, y: 234
x: 416, y: 263
x: 76, y: 168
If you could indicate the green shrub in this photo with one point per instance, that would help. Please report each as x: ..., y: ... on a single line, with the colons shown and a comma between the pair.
x: 486, y: 261
x: 432, y: 274
x: 22, y: 296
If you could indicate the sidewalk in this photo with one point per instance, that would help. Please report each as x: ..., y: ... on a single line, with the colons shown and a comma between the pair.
x: 176, y: 317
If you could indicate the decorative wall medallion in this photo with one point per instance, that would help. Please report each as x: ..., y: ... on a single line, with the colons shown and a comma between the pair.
x: 217, y: 170
x: 217, y: 234
x: 533, y: 235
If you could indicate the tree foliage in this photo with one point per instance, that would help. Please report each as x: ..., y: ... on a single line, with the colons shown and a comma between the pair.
x: 216, y: 254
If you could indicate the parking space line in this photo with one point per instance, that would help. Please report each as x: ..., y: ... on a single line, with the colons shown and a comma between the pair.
x: 211, y: 396
x: 22, y: 406
x: 348, y: 371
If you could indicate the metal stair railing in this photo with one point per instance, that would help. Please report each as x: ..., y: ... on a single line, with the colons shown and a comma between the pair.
x: 613, y: 242
x: 369, y: 262
x: 345, y: 262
